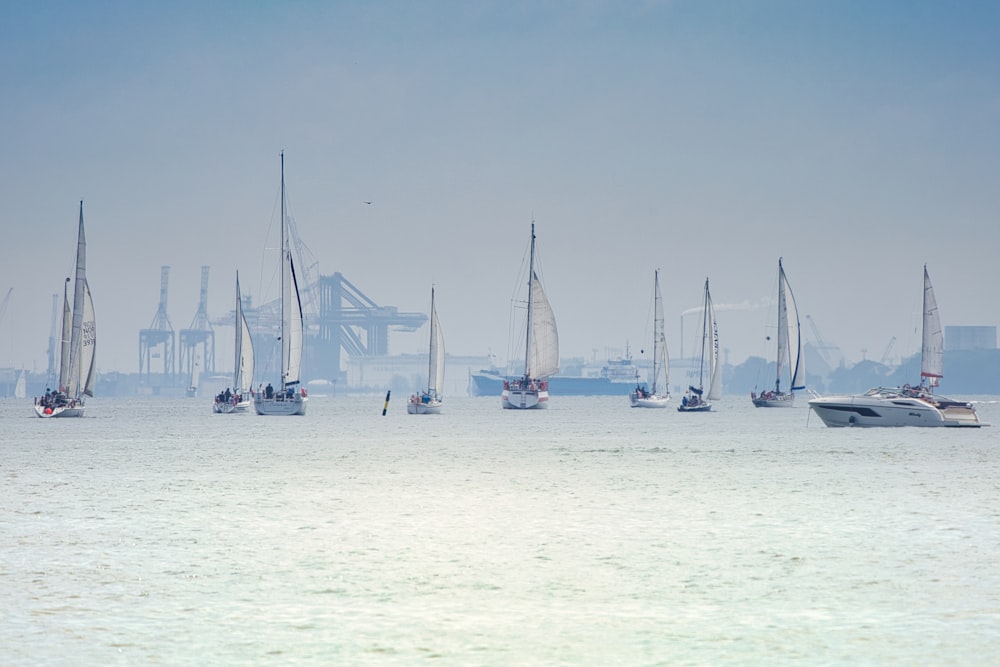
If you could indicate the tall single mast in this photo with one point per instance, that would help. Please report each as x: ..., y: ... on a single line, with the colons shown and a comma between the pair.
x: 784, y: 351
x: 284, y: 259
x: 659, y: 337
x: 64, y: 340
x: 704, y: 338
x: 531, y: 285
x: 432, y: 357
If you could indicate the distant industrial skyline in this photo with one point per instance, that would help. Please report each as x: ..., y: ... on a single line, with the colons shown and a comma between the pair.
x: 856, y: 141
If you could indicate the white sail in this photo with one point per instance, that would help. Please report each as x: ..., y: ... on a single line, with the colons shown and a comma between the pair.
x: 67, y: 328
x: 73, y: 384
x: 435, y: 372
x: 195, y: 374
x: 21, y: 386
x: 243, y: 363
x: 88, y: 343
x: 932, y: 349
x: 292, y: 338
x: 82, y: 339
x: 789, y: 334
x: 714, y: 367
x: 783, y: 357
x: 544, y: 359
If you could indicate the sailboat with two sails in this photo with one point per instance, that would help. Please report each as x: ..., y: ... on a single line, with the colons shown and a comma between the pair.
x: 695, y: 399
x: 428, y: 402
x: 906, y: 405
x: 240, y: 397
x: 789, y: 339
x: 288, y: 398
x: 77, y: 369
x: 530, y: 390
x: 655, y: 396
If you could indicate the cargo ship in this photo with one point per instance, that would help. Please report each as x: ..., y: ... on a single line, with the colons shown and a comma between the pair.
x: 616, y: 378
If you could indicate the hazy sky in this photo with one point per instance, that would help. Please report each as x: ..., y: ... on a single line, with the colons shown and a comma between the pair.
x: 857, y: 140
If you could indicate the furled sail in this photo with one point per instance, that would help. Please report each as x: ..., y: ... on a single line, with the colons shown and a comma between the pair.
x: 714, y: 367
x: 435, y: 374
x: 932, y: 349
x: 243, y: 378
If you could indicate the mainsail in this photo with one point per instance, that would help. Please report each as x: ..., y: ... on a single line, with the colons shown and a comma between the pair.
x: 83, y: 330
x: 243, y: 375
x: 435, y: 372
x: 932, y: 348
x: 543, y: 359
x: 789, y: 334
x: 660, y: 357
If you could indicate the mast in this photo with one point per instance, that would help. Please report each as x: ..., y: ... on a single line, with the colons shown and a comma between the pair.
x: 238, y: 342
x: 64, y: 336
x: 284, y: 260
x: 704, y: 337
x: 783, y: 349
x: 659, y: 353
x: 531, y: 280
x: 432, y: 356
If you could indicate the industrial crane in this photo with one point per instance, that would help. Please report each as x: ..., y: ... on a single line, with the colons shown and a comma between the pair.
x: 825, y: 351
x: 888, y: 349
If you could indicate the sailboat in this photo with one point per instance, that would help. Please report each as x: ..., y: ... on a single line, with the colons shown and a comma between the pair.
x: 906, y: 405
x: 789, y: 337
x: 695, y: 399
x: 77, y: 370
x: 541, y: 348
x: 239, y: 397
x: 288, y: 398
x: 21, y: 386
x: 641, y: 397
x: 192, y: 390
x: 428, y: 402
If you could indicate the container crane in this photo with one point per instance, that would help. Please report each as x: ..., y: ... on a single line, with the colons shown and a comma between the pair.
x: 159, y: 333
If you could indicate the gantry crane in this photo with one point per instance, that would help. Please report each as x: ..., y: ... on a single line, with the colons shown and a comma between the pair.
x: 197, y: 342
x: 160, y: 334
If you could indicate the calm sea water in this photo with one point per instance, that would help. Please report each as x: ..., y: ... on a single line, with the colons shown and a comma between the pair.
x: 590, y: 534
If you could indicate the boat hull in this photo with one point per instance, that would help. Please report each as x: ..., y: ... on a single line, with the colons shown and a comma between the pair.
x: 773, y: 400
x: 280, y: 406
x: 226, y: 408
x: 525, y: 399
x: 421, y: 408
x: 701, y: 407
x: 653, y: 401
x: 48, y: 412
x: 893, y: 410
